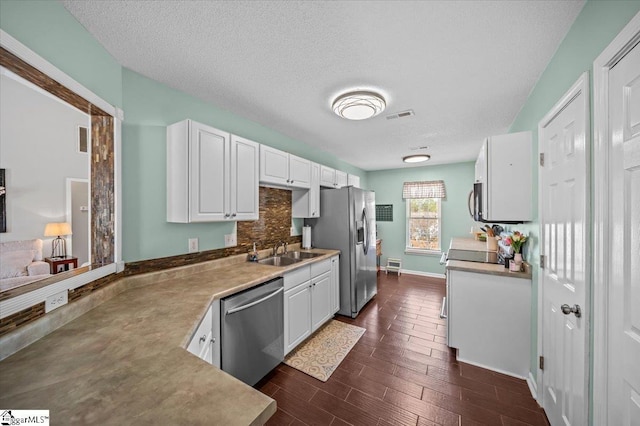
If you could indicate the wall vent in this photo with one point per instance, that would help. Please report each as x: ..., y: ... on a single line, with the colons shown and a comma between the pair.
x: 402, y: 114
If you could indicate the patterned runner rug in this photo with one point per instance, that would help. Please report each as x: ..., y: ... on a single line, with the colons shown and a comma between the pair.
x: 323, y: 352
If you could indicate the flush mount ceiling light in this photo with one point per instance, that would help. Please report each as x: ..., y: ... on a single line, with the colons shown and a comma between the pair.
x: 418, y: 158
x: 359, y: 105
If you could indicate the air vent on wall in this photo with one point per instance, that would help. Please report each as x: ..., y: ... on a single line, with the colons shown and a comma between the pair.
x: 407, y: 113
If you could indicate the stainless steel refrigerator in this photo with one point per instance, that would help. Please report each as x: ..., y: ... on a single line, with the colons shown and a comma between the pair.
x: 347, y: 223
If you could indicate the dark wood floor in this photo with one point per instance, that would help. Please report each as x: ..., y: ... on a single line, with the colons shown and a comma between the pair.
x: 401, y: 372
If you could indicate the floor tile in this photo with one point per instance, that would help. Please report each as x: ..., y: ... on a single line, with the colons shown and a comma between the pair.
x: 402, y: 372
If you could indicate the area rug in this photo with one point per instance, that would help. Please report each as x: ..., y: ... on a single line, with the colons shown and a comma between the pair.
x: 323, y: 352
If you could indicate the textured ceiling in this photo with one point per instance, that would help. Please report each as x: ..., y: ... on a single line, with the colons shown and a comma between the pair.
x: 464, y: 67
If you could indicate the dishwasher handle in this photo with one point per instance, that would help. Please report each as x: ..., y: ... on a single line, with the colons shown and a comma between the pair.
x: 248, y: 305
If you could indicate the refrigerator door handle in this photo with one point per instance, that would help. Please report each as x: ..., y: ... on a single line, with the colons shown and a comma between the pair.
x: 365, y: 225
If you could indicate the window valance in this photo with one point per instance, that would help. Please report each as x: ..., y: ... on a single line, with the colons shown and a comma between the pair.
x: 425, y: 189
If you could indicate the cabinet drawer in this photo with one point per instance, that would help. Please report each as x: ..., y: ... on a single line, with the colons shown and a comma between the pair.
x: 320, y: 267
x: 202, y: 335
x: 296, y: 277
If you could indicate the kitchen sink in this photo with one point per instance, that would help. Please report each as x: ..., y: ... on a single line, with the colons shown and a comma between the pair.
x: 279, y: 261
x: 301, y: 255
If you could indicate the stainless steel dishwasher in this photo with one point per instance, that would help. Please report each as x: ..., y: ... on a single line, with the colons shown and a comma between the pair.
x: 252, y: 332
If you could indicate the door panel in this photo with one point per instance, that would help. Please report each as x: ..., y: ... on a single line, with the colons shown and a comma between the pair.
x: 244, y: 197
x: 208, y: 157
x: 564, y: 213
x: 624, y: 229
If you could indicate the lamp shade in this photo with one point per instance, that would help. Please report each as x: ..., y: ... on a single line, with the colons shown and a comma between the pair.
x: 55, y: 229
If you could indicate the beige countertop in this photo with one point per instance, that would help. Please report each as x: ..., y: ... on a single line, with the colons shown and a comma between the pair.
x: 483, y: 268
x: 125, y: 361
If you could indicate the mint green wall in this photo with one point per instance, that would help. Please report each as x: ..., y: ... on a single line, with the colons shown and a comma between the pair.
x: 149, y: 107
x: 595, y: 27
x: 456, y: 222
x: 53, y: 33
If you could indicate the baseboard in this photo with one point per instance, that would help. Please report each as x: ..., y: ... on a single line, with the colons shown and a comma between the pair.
x: 486, y: 367
x: 533, y: 386
x: 420, y: 273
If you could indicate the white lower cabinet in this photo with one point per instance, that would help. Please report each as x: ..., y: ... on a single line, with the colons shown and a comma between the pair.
x: 308, y: 301
x: 205, y: 343
x: 297, y: 321
x: 320, y: 300
x: 489, y: 320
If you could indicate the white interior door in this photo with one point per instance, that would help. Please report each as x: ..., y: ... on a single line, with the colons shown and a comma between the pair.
x: 564, y: 221
x: 623, y: 322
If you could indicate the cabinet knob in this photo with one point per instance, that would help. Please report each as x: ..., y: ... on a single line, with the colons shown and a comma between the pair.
x: 226, y: 215
x: 203, y: 338
x: 291, y: 180
x: 213, y: 340
x: 233, y: 215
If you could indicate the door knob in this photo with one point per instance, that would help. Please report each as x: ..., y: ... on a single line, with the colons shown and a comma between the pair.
x: 566, y: 309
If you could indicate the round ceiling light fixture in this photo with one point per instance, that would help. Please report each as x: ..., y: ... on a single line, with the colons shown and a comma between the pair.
x: 359, y: 105
x: 418, y: 158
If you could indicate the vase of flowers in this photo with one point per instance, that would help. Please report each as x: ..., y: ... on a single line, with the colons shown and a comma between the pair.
x: 516, y: 240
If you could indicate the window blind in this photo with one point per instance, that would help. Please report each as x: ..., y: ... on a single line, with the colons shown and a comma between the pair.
x: 425, y: 189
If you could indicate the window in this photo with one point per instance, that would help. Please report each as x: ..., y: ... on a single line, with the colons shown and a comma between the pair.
x: 423, y: 224
x: 424, y: 220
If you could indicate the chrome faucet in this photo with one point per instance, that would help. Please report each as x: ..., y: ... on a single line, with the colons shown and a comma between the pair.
x: 275, y: 248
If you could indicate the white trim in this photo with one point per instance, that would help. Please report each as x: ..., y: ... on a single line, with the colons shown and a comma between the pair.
x: 581, y: 86
x: 23, y: 301
x: 69, y: 212
x: 497, y: 370
x: 407, y: 237
x: 117, y: 187
x: 26, y: 300
x: 533, y: 387
x: 620, y: 45
x: 419, y: 273
x: 35, y: 60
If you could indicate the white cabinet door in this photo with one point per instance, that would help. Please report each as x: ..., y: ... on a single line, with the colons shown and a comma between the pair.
x: 353, y: 180
x: 327, y: 177
x: 200, y: 344
x: 274, y: 166
x: 306, y: 203
x: 314, y: 191
x: 321, y: 300
x: 211, y: 175
x: 208, y: 154
x: 244, y: 191
x: 341, y: 179
x: 335, y: 284
x: 297, y: 315
x: 299, y: 172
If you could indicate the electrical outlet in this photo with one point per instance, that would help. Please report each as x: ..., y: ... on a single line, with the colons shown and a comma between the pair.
x: 193, y: 245
x: 230, y: 240
x: 292, y: 231
x: 55, y: 301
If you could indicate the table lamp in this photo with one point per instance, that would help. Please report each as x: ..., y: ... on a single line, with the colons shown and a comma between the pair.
x: 58, y: 245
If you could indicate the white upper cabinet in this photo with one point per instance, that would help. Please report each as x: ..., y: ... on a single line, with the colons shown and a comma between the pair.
x: 245, y: 170
x: 503, y: 164
x: 306, y: 203
x: 353, y: 180
x: 211, y: 176
x: 341, y: 179
x: 327, y: 177
x: 283, y: 169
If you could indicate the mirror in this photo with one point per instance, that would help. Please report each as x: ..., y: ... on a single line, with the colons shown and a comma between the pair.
x: 55, y: 172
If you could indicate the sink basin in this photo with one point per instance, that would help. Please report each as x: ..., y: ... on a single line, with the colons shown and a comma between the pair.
x: 301, y: 255
x: 279, y: 261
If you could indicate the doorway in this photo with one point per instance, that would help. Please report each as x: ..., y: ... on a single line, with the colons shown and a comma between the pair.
x: 563, y: 141
x: 78, y: 215
x: 616, y: 388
